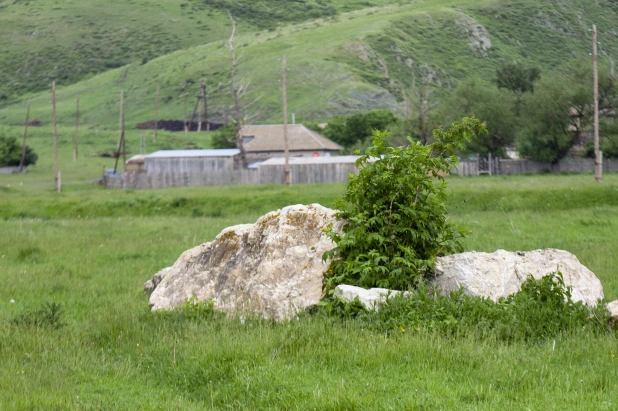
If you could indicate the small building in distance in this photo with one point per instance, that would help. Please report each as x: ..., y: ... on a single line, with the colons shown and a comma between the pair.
x: 135, y: 163
x: 192, y: 161
x: 266, y: 141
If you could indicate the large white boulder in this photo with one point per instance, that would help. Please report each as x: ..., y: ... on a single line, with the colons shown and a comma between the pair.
x: 502, y: 273
x: 272, y: 268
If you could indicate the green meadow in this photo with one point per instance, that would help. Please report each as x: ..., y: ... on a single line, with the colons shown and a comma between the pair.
x: 89, y: 250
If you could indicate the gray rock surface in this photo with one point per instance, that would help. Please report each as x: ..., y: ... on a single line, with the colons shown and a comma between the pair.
x: 613, y: 312
x: 371, y: 299
x: 502, y: 273
x: 272, y: 268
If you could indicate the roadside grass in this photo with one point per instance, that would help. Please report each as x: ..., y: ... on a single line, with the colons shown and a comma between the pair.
x: 90, y: 250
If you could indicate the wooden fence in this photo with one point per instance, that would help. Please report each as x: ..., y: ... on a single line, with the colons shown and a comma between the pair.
x: 494, y: 166
x: 11, y: 170
x: 335, y: 172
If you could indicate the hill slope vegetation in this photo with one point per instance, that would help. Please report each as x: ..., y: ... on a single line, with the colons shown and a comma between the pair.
x: 342, y: 62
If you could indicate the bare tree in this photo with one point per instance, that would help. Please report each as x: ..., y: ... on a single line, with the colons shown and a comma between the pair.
x: 235, y: 92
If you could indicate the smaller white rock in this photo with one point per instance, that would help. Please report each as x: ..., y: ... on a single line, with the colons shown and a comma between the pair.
x: 371, y: 299
x: 501, y: 273
x: 613, y: 312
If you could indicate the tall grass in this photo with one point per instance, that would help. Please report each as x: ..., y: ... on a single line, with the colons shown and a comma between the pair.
x: 88, y: 252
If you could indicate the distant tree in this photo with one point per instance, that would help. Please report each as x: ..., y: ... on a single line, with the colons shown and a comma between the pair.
x: 546, y: 135
x: 562, y: 109
x: 10, y: 153
x: 225, y: 137
x: 516, y: 78
x: 355, y: 129
x: 493, y: 106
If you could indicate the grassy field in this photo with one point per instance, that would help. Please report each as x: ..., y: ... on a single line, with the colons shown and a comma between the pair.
x: 91, y: 250
x: 338, y: 64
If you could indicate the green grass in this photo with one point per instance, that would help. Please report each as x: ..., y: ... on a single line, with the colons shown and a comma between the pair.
x: 352, y: 61
x: 91, y: 250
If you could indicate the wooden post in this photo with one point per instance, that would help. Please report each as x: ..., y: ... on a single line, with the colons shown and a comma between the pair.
x: 239, y: 141
x: 199, y: 105
x: 285, y: 122
x: 121, y: 131
x: 76, y: 151
x: 154, y: 137
x: 23, y: 145
x: 56, y: 171
x: 206, y: 108
x: 598, y: 170
x: 185, y: 113
x: 489, y: 163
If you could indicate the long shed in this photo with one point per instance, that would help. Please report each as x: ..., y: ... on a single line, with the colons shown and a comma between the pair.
x: 192, y: 161
x: 306, y: 170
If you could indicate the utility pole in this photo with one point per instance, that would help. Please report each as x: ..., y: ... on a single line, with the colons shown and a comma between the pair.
x: 200, y: 104
x: 239, y: 141
x: 23, y: 145
x: 56, y: 171
x: 285, y: 122
x: 185, y: 113
x: 121, y: 132
x: 154, y: 137
x: 598, y: 155
x: 206, y: 108
x: 75, y: 152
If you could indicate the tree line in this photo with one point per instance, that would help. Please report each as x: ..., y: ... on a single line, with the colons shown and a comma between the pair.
x: 541, y: 115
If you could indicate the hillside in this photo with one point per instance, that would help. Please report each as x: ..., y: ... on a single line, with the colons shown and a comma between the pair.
x: 343, y: 62
x: 68, y: 41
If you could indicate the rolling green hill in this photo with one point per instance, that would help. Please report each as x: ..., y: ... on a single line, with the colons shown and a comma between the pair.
x: 342, y: 62
x: 67, y: 41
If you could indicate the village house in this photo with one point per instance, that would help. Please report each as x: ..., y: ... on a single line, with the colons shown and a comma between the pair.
x: 266, y: 141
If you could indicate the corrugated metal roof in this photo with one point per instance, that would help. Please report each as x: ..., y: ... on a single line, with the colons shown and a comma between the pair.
x: 311, y: 160
x: 269, y: 137
x: 226, y: 152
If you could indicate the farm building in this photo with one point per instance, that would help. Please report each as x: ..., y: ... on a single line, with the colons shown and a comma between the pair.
x: 135, y: 163
x: 192, y: 161
x: 308, y: 170
x: 266, y: 141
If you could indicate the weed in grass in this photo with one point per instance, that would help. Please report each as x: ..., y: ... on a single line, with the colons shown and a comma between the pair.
x: 49, y: 315
x: 29, y: 254
x: 192, y: 310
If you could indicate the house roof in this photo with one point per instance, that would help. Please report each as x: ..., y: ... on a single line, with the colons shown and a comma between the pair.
x: 226, y: 152
x: 270, y: 138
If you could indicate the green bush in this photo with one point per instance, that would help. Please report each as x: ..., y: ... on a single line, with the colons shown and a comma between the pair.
x: 10, y: 153
x: 357, y: 128
x: 225, y: 137
x: 542, y: 309
x: 395, y: 213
